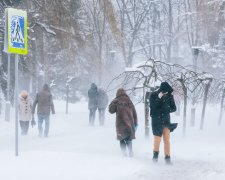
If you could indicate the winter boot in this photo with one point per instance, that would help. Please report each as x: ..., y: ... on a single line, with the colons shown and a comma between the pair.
x: 168, y: 160
x: 130, y: 149
x: 155, y: 156
x: 123, y: 148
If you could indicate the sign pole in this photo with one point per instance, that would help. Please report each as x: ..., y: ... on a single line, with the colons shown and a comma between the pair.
x: 16, y: 104
x: 16, y: 42
x: 7, y: 108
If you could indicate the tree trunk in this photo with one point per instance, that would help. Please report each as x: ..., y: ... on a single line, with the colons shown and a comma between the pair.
x: 204, y: 103
x: 146, y: 102
x: 185, y: 106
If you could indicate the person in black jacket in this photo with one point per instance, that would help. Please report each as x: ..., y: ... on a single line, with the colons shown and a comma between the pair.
x: 161, y: 105
x: 92, y: 103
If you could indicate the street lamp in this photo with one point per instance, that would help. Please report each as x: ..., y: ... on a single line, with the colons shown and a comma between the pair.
x: 41, y: 78
x: 112, y: 55
x: 195, y: 53
x: 69, y: 79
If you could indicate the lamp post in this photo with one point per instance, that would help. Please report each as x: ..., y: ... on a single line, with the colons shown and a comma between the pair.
x: 41, y: 78
x: 68, y: 88
x: 112, y: 55
x: 195, y: 53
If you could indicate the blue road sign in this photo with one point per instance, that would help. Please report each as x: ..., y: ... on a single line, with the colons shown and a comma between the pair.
x: 17, y: 32
x: 16, y: 38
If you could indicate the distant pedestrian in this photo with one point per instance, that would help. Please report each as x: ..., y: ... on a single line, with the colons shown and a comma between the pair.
x: 44, y: 104
x: 25, y: 111
x: 102, y: 102
x: 126, y: 120
x: 92, y: 103
x: 161, y: 105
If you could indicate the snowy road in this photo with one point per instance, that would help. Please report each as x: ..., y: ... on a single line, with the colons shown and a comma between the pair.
x: 76, y: 151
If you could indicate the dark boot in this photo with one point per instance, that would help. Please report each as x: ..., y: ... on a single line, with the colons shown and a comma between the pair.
x: 155, y: 156
x: 123, y: 147
x: 168, y: 159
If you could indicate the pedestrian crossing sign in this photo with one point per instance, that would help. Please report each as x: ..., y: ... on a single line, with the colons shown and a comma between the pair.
x: 16, y: 31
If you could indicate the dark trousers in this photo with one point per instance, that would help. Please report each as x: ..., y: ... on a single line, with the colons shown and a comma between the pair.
x: 43, y: 118
x: 24, y: 127
x: 101, y: 116
x: 92, y: 117
x: 126, y: 144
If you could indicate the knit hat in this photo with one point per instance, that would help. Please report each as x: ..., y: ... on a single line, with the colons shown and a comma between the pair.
x: 24, y: 94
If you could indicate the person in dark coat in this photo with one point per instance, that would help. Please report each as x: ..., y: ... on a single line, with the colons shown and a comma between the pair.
x: 102, y: 102
x: 161, y: 105
x: 126, y: 120
x: 92, y: 103
x: 44, y: 104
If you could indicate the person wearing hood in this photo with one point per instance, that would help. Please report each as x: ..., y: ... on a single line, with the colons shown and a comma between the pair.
x: 25, y: 111
x: 44, y: 104
x: 102, y: 104
x: 126, y: 120
x: 92, y: 103
x: 161, y: 105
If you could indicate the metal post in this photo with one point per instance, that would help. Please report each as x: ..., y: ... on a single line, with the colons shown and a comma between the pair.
x: 195, y: 52
x: 193, y: 99
x: 16, y: 103
x: 7, y: 105
x: 195, y: 62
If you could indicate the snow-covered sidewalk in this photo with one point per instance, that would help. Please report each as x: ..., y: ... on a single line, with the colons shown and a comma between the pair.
x: 76, y: 151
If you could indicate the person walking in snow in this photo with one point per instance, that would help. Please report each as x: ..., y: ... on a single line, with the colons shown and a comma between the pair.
x: 25, y: 111
x: 44, y: 104
x: 161, y: 105
x: 92, y: 103
x: 126, y: 120
x: 102, y: 102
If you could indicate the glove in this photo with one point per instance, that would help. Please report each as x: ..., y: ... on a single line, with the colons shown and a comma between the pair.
x: 33, y: 123
x: 135, y: 127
